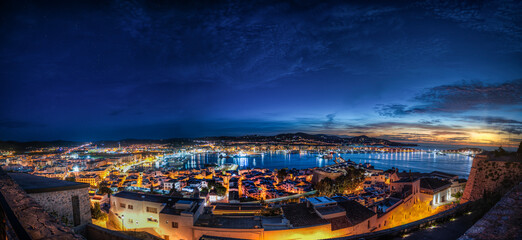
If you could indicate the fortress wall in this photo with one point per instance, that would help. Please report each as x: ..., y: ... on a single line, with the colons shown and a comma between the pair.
x: 491, y: 174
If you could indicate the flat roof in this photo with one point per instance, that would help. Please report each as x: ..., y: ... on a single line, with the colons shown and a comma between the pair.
x: 355, y: 212
x: 153, y: 197
x: 234, y: 222
x: 330, y: 210
x: 320, y: 200
x: 301, y: 216
x: 36, y: 184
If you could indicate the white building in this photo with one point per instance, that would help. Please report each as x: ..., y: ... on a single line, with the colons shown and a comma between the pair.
x: 170, y: 217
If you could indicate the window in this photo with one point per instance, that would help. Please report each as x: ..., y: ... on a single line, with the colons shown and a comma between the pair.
x: 174, y: 225
x: 130, y: 207
x: 131, y: 221
x: 152, y: 210
x: 368, y: 223
x: 152, y: 220
x: 122, y: 205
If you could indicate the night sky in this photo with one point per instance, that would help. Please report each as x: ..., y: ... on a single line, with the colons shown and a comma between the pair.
x: 427, y: 71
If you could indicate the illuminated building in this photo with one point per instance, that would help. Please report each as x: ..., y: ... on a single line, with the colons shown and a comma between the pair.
x: 168, y: 216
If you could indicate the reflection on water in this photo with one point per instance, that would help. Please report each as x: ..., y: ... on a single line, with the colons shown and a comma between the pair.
x: 416, y: 161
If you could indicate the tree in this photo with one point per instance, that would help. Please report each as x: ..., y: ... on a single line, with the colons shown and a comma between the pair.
x: 457, y: 195
x: 104, y: 190
x: 96, y: 212
x: 275, y: 211
x: 325, y: 187
x: 344, y: 183
x: 281, y: 174
x: 70, y: 179
x: 204, y: 191
x: 220, y: 190
x: 349, y: 181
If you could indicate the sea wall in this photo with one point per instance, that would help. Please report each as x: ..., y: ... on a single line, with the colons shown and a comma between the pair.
x: 491, y: 174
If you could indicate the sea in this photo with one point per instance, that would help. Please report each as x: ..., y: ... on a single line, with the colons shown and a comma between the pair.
x: 415, y: 161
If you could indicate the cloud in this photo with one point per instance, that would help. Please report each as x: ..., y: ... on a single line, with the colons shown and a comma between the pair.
x: 434, y: 121
x: 458, y: 98
x: 493, y: 120
x: 403, y: 125
x: 510, y: 126
x: 498, y: 17
x: 512, y: 130
x: 330, y: 121
x: 459, y: 139
x: 395, y: 110
x: 449, y: 133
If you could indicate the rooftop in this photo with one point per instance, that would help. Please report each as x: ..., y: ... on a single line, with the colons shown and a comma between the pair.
x: 155, y: 198
x: 355, y: 212
x: 330, y: 210
x: 301, y: 216
x: 237, y: 222
x: 433, y: 183
x: 443, y: 174
x: 320, y: 200
x: 36, y: 184
x: 237, y: 207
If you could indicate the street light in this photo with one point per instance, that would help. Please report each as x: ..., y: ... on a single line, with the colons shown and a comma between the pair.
x: 123, y: 222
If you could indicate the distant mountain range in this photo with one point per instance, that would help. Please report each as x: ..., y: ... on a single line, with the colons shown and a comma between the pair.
x: 285, y: 137
x: 21, y: 146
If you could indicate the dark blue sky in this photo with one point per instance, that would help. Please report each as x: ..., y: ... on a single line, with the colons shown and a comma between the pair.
x: 429, y: 71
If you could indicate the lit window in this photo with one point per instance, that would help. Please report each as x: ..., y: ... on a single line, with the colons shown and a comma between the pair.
x: 152, y: 210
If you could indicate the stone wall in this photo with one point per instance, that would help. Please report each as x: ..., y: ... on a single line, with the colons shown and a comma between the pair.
x: 38, y: 223
x: 59, y: 204
x: 491, y: 174
x: 96, y: 232
x: 503, y: 221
